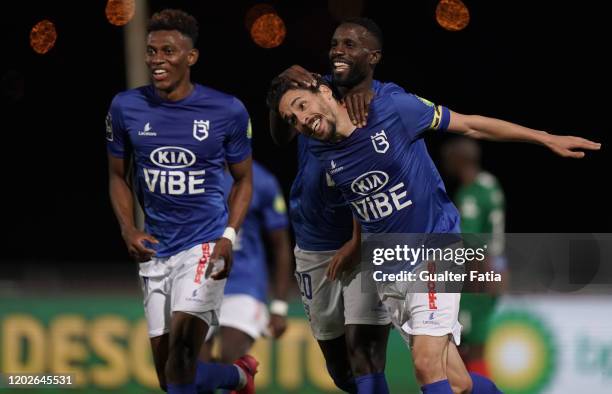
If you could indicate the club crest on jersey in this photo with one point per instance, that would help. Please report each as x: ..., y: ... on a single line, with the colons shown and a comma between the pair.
x: 380, y: 142
x: 200, y: 129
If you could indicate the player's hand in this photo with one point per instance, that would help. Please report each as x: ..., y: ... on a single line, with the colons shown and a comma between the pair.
x: 134, y: 240
x: 299, y: 76
x: 223, y: 249
x: 357, y: 105
x: 345, y: 258
x: 277, y: 326
x: 569, y: 146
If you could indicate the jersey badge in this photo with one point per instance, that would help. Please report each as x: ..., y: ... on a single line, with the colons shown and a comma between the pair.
x: 380, y: 142
x: 200, y: 129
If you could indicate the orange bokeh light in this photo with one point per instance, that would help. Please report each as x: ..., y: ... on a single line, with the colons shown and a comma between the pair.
x: 120, y: 12
x: 255, y: 12
x: 452, y: 15
x: 43, y: 36
x: 268, y: 31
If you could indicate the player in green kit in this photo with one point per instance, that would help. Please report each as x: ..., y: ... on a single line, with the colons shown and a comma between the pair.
x: 480, y: 200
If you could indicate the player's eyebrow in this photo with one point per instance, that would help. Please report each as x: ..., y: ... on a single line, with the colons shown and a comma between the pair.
x: 294, y: 100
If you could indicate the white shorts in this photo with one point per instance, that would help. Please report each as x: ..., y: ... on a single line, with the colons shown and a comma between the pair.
x: 419, y: 313
x: 245, y: 313
x: 330, y: 305
x: 181, y: 283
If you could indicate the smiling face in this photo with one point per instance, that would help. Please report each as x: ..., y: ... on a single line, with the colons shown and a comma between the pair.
x: 169, y: 57
x: 310, y: 113
x: 353, y: 54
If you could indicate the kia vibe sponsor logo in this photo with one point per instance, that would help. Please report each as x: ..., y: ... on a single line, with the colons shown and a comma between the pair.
x: 370, y: 182
x: 172, y: 157
x: 169, y: 179
x: 377, y: 203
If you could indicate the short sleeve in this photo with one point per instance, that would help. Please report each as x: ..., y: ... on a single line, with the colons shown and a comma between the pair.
x: 418, y: 114
x: 238, y: 140
x: 116, y: 134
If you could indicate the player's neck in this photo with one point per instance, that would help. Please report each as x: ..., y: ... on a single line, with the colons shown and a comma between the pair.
x: 344, y: 126
x: 180, y: 92
x: 364, y: 85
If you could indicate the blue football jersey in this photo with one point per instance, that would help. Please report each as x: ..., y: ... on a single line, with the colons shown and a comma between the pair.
x: 320, y: 216
x: 267, y: 212
x: 385, y: 172
x: 180, y: 149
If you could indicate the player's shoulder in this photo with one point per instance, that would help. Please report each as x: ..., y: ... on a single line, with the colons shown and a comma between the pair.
x: 384, y: 88
x: 389, y: 99
x: 226, y: 100
x: 130, y: 96
x: 389, y: 93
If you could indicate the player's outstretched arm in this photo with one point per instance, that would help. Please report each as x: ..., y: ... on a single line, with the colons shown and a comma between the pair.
x: 239, y: 200
x: 281, y: 247
x: 122, y: 201
x: 481, y: 127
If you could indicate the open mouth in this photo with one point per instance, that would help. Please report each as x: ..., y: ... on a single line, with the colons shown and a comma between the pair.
x: 315, y: 125
x: 340, y: 66
x: 159, y: 74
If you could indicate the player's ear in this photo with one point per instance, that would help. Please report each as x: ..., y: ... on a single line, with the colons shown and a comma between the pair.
x: 375, y: 56
x: 325, y: 91
x: 193, y: 56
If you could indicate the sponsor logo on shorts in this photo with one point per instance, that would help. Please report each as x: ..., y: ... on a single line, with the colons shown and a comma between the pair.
x: 431, y: 286
x: 202, y: 264
x: 431, y: 321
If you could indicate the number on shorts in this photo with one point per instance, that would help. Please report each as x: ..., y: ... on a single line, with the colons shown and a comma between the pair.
x: 305, y: 283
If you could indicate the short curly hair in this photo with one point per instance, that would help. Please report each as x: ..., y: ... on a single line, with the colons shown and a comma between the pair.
x: 171, y: 19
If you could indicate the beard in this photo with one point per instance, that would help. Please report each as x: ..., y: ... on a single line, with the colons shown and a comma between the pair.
x: 333, y: 135
x: 351, y: 79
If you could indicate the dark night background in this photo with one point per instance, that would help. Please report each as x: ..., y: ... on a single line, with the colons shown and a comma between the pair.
x: 540, y: 64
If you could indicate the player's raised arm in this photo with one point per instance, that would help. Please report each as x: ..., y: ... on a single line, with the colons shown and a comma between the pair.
x: 481, y: 127
x: 239, y: 200
x: 122, y: 201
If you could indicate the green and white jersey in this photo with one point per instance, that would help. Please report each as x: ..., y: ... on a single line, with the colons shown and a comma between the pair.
x: 481, y: 205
